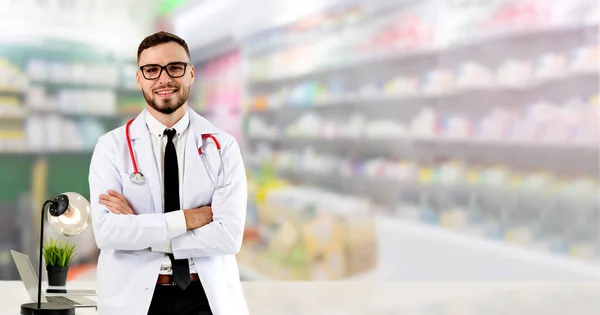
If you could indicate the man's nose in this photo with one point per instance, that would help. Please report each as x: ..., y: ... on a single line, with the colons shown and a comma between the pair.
x: 164, y: 78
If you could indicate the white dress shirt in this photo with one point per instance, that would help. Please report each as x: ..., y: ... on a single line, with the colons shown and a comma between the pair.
x: 176, y: 224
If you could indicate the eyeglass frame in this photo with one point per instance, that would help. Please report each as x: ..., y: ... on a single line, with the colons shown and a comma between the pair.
x: 185, y: 65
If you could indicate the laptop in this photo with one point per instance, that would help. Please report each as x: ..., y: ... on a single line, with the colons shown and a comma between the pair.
x: 30, y: 280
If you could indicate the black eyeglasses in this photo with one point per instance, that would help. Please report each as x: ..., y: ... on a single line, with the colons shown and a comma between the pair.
x: 174, y: 70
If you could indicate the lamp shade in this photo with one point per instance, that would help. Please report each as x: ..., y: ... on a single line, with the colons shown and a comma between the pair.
x: 71, y: 216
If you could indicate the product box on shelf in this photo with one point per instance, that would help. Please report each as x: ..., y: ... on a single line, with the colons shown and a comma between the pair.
x: 359, y: 233
x: 308, y: 234
x: 324, y: 246
x: 11, y: 77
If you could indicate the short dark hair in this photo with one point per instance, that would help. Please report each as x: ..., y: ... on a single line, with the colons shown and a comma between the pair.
x: 161, y: 38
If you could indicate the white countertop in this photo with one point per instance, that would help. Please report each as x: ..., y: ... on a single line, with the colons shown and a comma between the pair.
x: 13, y: 294
x: 374, y: 298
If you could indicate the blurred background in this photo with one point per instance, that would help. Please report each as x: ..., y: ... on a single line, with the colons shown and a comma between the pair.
x: 384, y: 140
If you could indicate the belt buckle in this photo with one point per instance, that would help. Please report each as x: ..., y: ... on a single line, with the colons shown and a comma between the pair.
x: 170, y: 284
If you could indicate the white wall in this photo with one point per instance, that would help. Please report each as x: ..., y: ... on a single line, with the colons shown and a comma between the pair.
x: 204, y: 22
x: 118, y: 26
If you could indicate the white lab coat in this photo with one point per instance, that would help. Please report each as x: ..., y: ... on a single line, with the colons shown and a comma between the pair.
x: 127, y: 268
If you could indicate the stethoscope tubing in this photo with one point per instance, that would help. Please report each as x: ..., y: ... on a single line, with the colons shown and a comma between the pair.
x: 200, y: 152
x: 133, y: 160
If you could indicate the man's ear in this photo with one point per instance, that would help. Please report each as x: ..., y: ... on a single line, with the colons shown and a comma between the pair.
x: 192, y: 74
x: 138, y: 78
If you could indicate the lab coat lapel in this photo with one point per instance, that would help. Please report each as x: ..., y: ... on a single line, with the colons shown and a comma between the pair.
x: 145, y: 159
x: 200, y: 125
x: 196, y: 181
x: 194, y: 172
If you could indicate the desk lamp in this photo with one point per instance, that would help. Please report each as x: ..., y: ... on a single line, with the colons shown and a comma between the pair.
x: 69, y: 214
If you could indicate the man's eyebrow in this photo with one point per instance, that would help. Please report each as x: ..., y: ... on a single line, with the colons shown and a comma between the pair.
x: 158, y: 64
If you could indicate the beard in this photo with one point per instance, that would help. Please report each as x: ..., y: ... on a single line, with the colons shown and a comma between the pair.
x: 168, y: 105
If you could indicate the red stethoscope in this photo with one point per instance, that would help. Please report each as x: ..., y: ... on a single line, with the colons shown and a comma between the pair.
x: 138, y: 178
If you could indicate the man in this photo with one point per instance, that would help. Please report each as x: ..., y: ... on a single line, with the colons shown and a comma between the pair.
x: 168, y: 242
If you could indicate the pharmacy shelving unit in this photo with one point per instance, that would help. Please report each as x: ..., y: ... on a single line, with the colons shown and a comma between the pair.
x: 56, y: 90
x: 289, y: 96
x: 59, y: 79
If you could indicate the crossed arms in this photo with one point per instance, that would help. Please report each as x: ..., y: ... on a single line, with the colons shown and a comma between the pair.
x: 210, y: 230
x: 194, y: 218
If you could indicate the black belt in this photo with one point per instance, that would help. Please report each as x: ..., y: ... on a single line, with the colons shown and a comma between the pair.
x: 168, y: 279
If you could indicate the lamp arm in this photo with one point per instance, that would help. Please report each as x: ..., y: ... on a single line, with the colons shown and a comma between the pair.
x: 39, y: 297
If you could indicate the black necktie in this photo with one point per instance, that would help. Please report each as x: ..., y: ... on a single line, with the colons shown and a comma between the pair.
x: 181, y: 268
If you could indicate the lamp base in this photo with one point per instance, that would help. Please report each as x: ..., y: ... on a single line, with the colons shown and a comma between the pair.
x: 47, y: 309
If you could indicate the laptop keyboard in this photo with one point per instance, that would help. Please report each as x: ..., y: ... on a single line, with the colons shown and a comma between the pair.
x: 61, y: 300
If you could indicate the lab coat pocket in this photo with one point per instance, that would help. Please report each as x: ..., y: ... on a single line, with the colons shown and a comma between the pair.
x: 117, y: 271
x: 138, y: 195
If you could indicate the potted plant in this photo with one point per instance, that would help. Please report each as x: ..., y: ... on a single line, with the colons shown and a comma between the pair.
x: 58, y: 256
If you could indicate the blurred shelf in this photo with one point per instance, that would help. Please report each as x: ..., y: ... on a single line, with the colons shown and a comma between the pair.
x: 130, y: 93
x: 11, y: 92
x: 113, y: 116
x: 383, y: 186
x: 341, y: 67
x: 382, y: 191
x: 131, y: 89
x: 24, y: 114
x: 334, y: 175
x: 46, y: 152
x: 454, y: 98
x: 387, y: 57
x: 10, y: 113
x: 263, y: 44
x: 385, y: 141
x: 541, y: 145
x: 560, y: 158
x: 374, y: 182
x: 55, y: 86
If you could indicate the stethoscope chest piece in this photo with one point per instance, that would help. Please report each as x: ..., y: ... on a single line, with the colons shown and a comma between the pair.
x: 137, y: 178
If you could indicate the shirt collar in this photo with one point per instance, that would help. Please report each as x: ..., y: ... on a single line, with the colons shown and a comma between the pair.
x: 157, y: 128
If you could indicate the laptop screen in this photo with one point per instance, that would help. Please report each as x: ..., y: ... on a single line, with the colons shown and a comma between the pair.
x: 28, y: 275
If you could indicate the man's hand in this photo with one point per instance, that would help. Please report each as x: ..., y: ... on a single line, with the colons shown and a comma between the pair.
x: 197, y: 217
x: 116, y: 203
